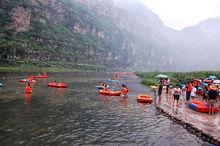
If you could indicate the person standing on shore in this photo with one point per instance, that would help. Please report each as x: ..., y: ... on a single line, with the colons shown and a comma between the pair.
x: 160, y: 87
x: 188, y: 90
x: 168, y: 85
x: 193, y: 92
x: 212, y: 97
x: 176, y: 94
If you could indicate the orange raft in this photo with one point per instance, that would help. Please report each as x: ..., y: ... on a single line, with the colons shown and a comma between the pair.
x: 110, y: 93
x: 144, y: 98
x: 201, y: 107
x: 57, y: 85
x: 41, y: 76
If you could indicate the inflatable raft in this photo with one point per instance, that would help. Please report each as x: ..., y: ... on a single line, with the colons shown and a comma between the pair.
x: 114, y: 81
x: 201, y: 107
x: 110, y: 93
x: 57, y: 85
x: 144, y: 98
x: 27, y: 81
x: 41, y: 76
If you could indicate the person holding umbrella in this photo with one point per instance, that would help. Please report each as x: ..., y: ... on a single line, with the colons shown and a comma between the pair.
x: 160, y: 87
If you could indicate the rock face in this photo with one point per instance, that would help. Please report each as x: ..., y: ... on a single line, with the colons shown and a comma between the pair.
x: 110, y: 34
x: 20, y: 18
x: 1, y: 4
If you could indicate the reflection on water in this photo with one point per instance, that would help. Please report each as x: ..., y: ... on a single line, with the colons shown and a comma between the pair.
x: 78, y: 115
x: 27, y: 100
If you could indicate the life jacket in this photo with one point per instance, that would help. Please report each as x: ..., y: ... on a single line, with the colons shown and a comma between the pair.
x: 125, y: 91
x: 188, y: 88
x: 61, y: 84
x: 106, y: 88
x: 28, y: 89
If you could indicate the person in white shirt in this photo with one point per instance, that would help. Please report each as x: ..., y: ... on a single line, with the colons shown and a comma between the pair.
x: 193, y: 93
x: 176, y: 94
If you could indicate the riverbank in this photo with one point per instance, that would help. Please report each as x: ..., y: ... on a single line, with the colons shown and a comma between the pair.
x: 203, y: 125
x: 149, y: 77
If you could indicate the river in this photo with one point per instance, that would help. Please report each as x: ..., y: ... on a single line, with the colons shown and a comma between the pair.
x: 78, y: 115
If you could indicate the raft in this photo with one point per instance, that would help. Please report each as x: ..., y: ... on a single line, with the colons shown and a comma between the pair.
x: 115, y: 81
x: 144, y: 98
x: 57, y: 85
x: 201, y: 107
x: 41, y: 76
x: 207, y: 81
x: 27, y: 81
x: 110, y: 93
x: 153, y: 87
x: 102, y: 87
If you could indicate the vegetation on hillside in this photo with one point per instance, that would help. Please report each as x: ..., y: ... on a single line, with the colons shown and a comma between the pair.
x: 54, y: 40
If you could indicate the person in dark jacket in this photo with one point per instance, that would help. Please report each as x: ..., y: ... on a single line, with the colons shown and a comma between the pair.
x: 212, y: 97
x: 160, y: 87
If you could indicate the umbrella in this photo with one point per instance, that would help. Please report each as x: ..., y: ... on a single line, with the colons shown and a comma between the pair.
x: 216, y: 81
x: 212, y: 77
x: 161, y: 76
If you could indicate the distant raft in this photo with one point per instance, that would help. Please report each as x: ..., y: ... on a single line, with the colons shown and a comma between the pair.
x: 153, y: 87
x: 144, y: 98
x: 102, y: 87
x: 114, y: 81
x: 110, y: 93
x: 41, y: 76
x: 57, y: 85
x: 201, y: 107
x: 27, y: 81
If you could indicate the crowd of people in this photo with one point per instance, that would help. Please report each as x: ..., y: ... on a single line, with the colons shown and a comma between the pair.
x: 207, y: 93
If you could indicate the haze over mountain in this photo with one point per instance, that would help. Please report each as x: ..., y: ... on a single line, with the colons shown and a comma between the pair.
x: 102, y: 34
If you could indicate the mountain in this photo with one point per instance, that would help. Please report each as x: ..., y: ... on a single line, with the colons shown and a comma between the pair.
x: 200, y: 45
x: 99, y: 35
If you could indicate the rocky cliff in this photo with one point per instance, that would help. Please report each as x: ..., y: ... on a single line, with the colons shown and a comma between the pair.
x: 91, y: 34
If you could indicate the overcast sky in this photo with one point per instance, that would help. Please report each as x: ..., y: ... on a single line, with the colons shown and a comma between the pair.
x: 178, y: 14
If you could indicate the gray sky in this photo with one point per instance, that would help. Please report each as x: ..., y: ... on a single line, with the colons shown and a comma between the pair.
x: 178, y: 14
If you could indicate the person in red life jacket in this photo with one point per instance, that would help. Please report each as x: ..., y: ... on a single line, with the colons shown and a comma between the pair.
x: 45, y: 74
x: 124, y: 91
x: 61, y: 83
x: 188, y: 90
x: 106, y: 88
x: 176, y: 94
x: 101, y: 84
x: 28, y: 88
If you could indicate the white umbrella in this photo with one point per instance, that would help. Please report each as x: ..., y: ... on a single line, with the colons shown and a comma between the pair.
x: 216, y: 81
x: 212, y: 77
x: 161, y: 76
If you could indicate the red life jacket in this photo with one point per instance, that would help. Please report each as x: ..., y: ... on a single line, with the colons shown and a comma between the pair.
x: 105, y: 88
x: 28, y: 89
x: 125, y: 91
